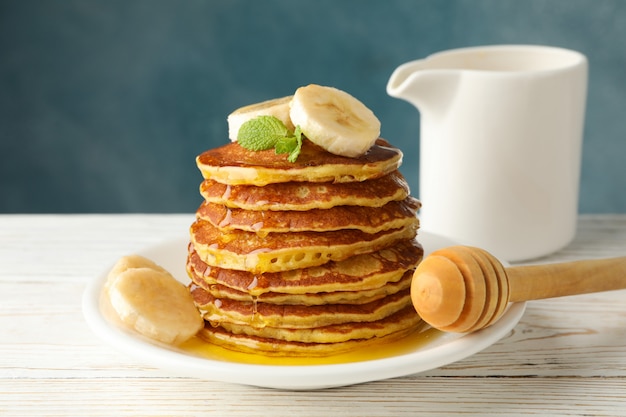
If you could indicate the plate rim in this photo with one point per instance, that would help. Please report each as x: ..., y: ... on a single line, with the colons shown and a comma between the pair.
x: 446, y: 349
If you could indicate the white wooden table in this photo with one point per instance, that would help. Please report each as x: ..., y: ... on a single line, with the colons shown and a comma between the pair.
x: 567, y: 356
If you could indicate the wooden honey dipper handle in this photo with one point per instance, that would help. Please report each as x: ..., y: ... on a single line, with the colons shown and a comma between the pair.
x: 536, y: 282
x: 463, y: 289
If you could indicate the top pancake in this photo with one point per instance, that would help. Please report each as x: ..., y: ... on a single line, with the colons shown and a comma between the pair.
x: 235, y: 165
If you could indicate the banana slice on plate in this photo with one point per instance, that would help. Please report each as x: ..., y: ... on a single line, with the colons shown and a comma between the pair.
x: 334, y: 120
x: 150, y: 300
x: 278, y: 107
x: 130, y: 262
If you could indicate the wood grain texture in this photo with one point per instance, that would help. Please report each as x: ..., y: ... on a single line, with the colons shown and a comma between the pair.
x: 566, y: 357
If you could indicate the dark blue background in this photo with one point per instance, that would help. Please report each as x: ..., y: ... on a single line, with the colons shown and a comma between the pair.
x: 105, y: 104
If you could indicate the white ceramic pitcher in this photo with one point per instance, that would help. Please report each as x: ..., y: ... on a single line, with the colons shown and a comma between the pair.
x: 500, y: 144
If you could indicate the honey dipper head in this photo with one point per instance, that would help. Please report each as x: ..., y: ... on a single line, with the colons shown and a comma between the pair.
x: 460, y: 289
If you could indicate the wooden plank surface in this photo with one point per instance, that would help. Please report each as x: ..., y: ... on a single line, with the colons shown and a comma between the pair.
x: 567, y: 356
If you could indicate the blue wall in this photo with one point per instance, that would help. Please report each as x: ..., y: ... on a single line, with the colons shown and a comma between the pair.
x: 105, y: 104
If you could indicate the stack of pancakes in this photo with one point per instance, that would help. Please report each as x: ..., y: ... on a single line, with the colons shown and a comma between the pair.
x: 303, y: 259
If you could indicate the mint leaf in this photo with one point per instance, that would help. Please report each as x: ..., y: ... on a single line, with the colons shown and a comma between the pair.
x: 267, y: 132
x: 290, y: 145
x: 261, y: 133
x: 286, y: 145
x: 293, y: 155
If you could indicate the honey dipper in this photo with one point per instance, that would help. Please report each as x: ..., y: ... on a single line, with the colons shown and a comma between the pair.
x: 463, y: 288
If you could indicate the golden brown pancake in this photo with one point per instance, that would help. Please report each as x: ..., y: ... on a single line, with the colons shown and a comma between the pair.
x: 233, y: 164
x: 321, y: 298
x: 333, y: 333
x: 236, y: 249
x: 357, y: 273
x: 258, y: 314
x: 386, y: 330
x: 393, y: 215
x: 302, y: 196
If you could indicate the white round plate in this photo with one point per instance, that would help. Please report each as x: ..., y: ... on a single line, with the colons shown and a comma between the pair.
x: 442, y: 350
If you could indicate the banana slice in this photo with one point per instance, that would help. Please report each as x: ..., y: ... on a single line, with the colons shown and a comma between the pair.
x: 334, y: 120
x: 129, y: 262
x: 153, y: 302
x: 278, y: 108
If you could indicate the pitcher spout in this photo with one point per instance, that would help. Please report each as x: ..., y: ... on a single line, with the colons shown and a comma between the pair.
x: 428, y: 89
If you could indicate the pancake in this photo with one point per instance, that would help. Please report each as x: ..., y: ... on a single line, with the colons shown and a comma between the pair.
x: 357, y: 273
x: 393, y: 215
x: 334, y: 333
x: 233, y: 164
x: 236, y: 249
x: 301, y: 196
x: 387, y: 330
x: 321, y: 298
x: 257, y: 314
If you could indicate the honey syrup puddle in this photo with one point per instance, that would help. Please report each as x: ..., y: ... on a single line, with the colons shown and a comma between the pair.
x: 410, y: 343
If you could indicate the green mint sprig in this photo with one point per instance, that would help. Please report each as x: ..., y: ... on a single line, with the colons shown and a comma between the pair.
x: 267, y: 132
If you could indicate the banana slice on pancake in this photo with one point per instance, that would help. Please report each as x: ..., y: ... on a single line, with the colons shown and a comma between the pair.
x: 150, y: 300
x: 278, y: 108
x: 334, y: 120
